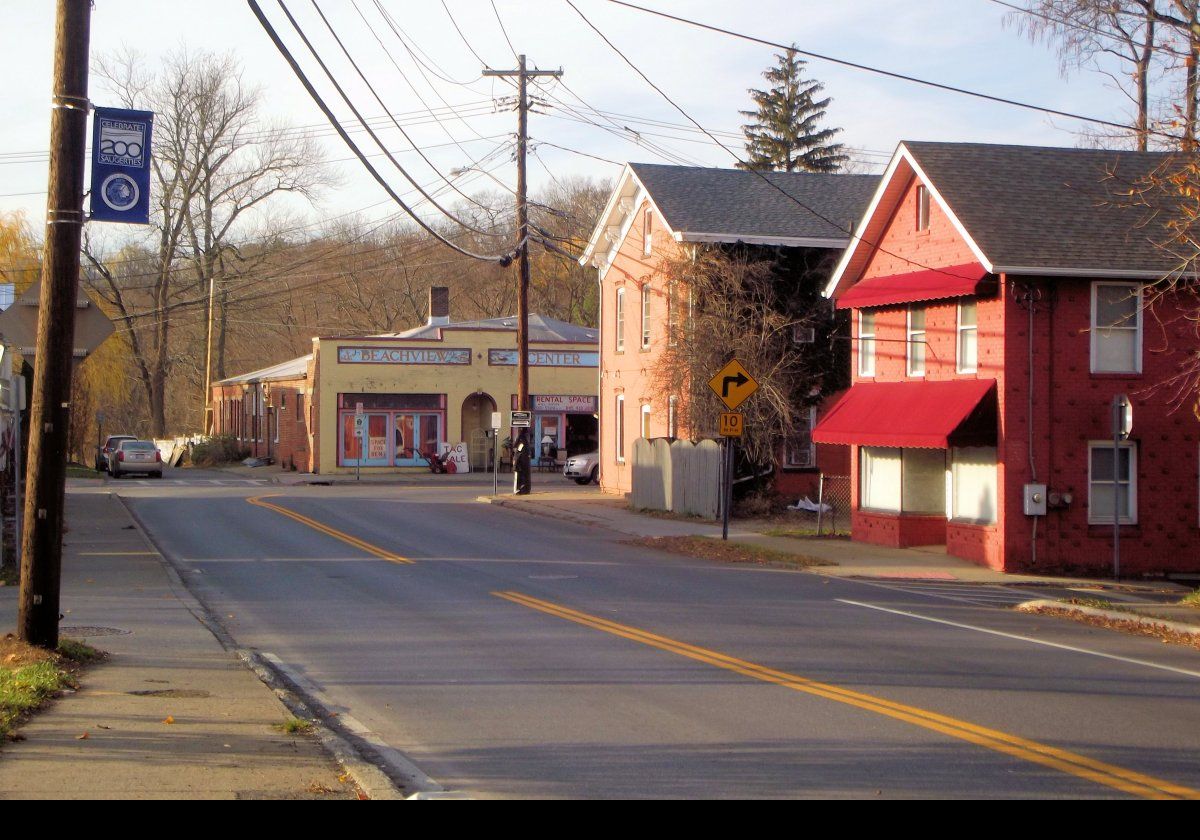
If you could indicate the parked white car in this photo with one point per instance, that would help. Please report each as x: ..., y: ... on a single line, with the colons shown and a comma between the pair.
x: 584, y: 469
x: 135, y: 456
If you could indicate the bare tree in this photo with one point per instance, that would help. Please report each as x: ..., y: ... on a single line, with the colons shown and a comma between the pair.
x: 1089, y: 32
x: 751, y: 302
x: 214, y: 161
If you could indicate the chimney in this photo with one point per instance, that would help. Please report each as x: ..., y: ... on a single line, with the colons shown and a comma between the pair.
x: 439, y: 306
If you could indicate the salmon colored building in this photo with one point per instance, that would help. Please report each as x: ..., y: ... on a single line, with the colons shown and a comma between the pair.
x: 998, y: 300
x: 659, y: 212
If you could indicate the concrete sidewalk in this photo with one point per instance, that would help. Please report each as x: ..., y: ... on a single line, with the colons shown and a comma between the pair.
x: 163, y: 665
x: 849, y: 559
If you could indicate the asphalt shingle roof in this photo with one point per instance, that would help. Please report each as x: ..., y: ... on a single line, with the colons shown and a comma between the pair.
x: 1052, y: 208
x: 735, y: 203
x: 541, y: 328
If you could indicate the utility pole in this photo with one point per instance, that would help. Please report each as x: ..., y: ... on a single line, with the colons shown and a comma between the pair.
x: 50, y: 413
x: 523, y: 75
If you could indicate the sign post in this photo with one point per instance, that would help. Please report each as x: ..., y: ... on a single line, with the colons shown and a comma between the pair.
x: 360, y: 434
x: 733, y: 384
x: 496, y: 424
x: 1122, y: 425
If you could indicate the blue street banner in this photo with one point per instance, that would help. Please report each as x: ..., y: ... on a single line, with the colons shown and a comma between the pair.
x: 121, y: 165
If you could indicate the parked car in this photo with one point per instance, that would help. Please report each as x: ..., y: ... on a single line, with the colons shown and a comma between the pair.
x: 135, y: 456
x: 585, y: 469
x: 110, y: 444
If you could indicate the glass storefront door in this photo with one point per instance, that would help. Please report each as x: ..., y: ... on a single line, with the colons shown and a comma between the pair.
x: 372, y: 449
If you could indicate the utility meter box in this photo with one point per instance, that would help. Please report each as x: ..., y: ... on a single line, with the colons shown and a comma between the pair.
x: 1035, y: 499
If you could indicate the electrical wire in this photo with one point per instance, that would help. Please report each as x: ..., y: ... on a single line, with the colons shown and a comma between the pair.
x: 816, y: 213
x: 887, y: 73
x: 379, y: 99
x: 503, y: 259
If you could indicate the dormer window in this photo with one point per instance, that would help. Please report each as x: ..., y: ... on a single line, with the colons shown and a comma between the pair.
x: 922, y: 207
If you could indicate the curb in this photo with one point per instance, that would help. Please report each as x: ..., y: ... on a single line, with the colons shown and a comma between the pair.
x: 369, y: 777
x: 528, y: 508
x: 1112, y: 615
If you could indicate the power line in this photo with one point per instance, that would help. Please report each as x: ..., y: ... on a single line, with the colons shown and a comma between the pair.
x: 379, y: 99
x: 888, y: 73
x: 503, y: 259
x: 841, y: 226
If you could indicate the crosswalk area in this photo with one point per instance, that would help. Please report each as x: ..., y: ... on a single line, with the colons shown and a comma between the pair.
x: 975, y: 594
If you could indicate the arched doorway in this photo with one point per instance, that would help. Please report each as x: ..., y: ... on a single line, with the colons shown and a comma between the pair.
x: 476, y: 419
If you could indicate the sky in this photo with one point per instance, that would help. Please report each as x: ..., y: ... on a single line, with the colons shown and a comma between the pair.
x: 957, y: 42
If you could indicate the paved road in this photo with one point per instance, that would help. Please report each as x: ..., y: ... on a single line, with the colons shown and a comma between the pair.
x: 517, y: 655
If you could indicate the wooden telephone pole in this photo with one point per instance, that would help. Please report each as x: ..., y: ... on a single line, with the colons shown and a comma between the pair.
x: 523, y: 75
x: 50, y: 412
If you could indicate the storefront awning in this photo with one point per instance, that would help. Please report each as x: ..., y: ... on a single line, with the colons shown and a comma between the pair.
x: 928, y: 284
x: 922, y: 415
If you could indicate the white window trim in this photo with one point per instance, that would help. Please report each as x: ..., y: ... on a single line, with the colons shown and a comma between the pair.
x: 1095, y: 329
x: 644, y: 429
x: 909, y: 344
x: 922, y: 208
x: 958, y: 345
x: 790, y: 448
x: 647, y: 233
x: 619, y: 320
x: 863, y: 369
x: 645, y: 339
x: 1105, y: 518
x: 620, y: 429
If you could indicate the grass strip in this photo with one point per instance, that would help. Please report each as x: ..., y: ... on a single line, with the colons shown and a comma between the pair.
x: 30, y: 677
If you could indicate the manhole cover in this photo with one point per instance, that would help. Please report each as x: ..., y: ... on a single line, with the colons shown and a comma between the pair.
x: 174, y: 693
x: 93, y: 631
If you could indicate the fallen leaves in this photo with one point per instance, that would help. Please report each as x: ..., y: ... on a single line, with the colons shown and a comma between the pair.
x: 169, y: 719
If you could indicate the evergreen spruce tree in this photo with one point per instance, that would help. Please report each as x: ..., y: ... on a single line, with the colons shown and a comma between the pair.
x: 784, y: 133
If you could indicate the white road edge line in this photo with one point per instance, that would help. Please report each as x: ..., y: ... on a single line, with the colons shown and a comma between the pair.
x: 399, y: 764
x: 1020, y: 638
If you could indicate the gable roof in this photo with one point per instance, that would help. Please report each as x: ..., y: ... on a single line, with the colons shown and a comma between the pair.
x: 291, y: 369
x: 733, y: 205
x: 706, y: 204
x: 1029, y: 209
x: 541, y: 328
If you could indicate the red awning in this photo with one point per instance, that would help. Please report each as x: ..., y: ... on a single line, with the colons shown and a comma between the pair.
x: 921, y: 415
x: 928, y: 284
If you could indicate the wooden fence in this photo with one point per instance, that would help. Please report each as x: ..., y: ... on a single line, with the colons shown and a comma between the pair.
x: 681, y: 477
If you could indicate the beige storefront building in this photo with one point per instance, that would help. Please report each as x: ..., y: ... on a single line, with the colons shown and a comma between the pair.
x: 437, y: 385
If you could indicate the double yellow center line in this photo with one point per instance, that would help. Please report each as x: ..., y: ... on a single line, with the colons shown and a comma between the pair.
x: 1126, y: 781
x: 382, y: 553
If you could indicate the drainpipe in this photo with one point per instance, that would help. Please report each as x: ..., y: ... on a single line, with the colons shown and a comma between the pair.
x: 1027, y: 297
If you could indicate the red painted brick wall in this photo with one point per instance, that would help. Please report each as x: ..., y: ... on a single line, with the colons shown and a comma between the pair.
x: 1069, y: 408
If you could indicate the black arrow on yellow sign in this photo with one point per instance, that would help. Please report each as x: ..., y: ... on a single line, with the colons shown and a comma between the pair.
x: 737, y: 381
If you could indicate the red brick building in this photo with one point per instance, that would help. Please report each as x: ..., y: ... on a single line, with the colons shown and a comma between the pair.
x: 267, y: 411
x: 998, y: 301
x: 658, y: 212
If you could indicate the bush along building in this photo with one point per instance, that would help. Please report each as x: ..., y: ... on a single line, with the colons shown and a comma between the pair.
x: 1000, y: 298
x: 418, y: 392
x: 661, y: 216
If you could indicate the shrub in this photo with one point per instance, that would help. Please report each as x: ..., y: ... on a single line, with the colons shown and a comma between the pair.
x: 221, y: 449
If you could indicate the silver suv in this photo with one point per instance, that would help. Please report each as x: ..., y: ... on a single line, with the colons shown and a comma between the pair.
x: 585, y: 469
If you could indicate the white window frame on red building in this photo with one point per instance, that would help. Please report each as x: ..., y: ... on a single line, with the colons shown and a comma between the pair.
x: 1098, y: 330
